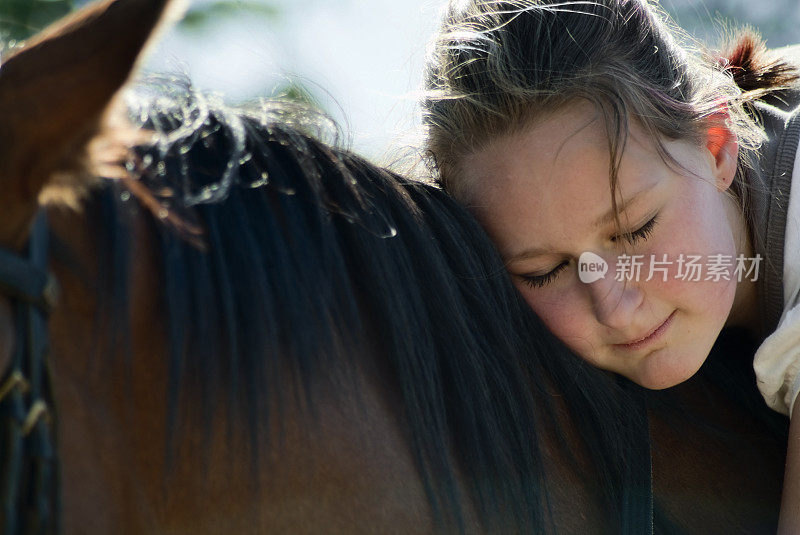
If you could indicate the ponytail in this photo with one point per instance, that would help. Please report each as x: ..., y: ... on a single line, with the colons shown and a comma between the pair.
x: 755, y: 70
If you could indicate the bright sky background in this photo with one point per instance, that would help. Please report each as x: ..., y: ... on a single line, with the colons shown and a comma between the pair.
x: 363, y: 58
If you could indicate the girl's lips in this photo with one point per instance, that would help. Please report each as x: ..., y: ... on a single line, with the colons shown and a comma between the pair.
x: 652, y: 337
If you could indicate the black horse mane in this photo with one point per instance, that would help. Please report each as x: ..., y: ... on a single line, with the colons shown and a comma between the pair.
x: 309, y: 256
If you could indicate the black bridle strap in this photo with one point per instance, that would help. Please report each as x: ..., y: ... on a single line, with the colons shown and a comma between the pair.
x: 29, y: 493
x: 21, y: 280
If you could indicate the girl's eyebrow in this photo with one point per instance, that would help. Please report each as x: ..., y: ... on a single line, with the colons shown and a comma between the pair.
x: 526, y: 254
x: 602, y: 221
x: 625, y: 205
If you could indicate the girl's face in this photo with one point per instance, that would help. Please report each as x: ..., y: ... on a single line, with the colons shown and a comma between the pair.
x: 543, y: 195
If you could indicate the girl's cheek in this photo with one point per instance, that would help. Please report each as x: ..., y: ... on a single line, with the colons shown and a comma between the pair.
x: 561, y: 310
x: 695, y: 238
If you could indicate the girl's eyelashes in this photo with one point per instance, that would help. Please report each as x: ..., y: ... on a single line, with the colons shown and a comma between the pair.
x: 539, y: 281
x: 640, y: 234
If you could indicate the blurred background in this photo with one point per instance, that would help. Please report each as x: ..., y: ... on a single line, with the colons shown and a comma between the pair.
x: 359, y: 60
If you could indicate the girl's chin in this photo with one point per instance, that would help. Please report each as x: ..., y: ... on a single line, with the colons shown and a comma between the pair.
x: 662, y: 370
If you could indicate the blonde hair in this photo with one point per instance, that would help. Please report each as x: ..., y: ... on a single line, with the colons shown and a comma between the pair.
x: 496, y: 66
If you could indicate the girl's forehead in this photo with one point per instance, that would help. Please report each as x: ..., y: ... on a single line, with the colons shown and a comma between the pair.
x: 558, y: 152
x: 551, y: 182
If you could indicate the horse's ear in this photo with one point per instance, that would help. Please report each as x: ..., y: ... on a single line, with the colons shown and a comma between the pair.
x: 53, y: 92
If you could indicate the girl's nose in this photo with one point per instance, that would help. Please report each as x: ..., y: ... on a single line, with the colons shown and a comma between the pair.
x: 615, y: 299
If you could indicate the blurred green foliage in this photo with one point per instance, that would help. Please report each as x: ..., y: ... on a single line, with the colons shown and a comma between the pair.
x: 712, y: 20
x: 198, y: 17
x: 19, y: 19
x: 295, y: 91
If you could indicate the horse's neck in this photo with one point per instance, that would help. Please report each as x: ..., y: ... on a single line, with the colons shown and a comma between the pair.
x: 345, y: 469
x: 110, y: 403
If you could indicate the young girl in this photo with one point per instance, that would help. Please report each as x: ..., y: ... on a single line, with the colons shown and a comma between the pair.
x: 638, y: 190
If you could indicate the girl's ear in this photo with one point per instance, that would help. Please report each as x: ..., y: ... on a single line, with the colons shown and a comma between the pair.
x: 723, y: 145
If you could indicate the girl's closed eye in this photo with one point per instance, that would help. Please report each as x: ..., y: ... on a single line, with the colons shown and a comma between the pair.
x: 642, y: 233
x: 538, y: 281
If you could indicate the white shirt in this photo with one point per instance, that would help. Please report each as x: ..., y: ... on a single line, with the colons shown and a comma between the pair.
x: 777, y: 360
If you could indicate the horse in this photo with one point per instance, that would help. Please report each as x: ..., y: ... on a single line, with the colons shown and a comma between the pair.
x: 257, y: 331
